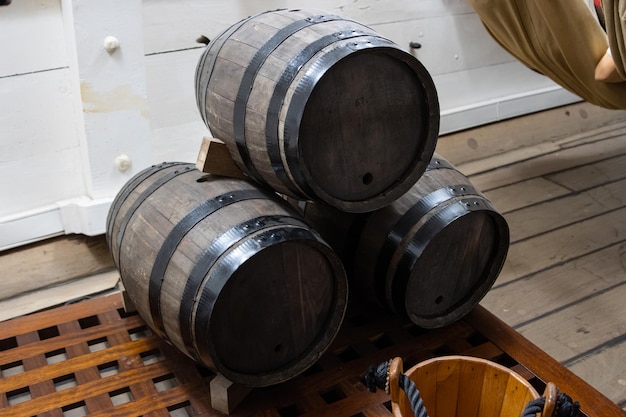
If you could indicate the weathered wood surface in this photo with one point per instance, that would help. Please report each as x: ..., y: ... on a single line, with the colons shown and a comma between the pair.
x: 562, y: 189
x: 331, y: 111
x: 226, y: 272
x: 432, y: 254
x: 92, y: 358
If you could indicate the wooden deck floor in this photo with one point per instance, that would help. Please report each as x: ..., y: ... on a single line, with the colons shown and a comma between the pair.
x: 559, y: 177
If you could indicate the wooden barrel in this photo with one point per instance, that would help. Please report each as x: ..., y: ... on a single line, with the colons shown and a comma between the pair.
x: 432, y: 254
x: 226, y: 272
x: 319, y: 107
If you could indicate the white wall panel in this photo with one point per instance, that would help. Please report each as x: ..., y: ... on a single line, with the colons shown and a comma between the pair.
x: 67, y: 107
x: 31, y: 37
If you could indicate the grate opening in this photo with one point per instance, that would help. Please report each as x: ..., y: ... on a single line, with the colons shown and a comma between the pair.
x: 476, y: 339
x: 87, y: 322
x: 64, y: 382
x: 140, y: 332
x: 121, y: 396
x: 8, y: 343
x: 108, y: 369
x: 100, y: 343
x: 346, y: 355
x: 181, y: 410
x: 48, y: 333
x: 124, y: 314
x: 151, y: 356
x: 78, y: 409
x: 56, y: 356
x: 383, y: 341
x: 18, y: 396
x: 165, y: 382
x: 12, y: 368
x: 289, y: 411
x: 333, y: 395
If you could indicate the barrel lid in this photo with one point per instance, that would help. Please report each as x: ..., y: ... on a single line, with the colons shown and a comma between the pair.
x: 277, y: 313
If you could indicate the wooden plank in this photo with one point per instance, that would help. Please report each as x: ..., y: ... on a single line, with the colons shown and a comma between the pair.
x: 531, y: 221
x: 337, y: 390
x: 527, y: 131
x: 602, y: 133
x: 65, y: 313
x: 524, y: 193
x: 52, y: 262
x: 86, y: 374
x: 540, y: 189
x: 549, y: 163
x: 559, y: 246
x: 76, y: 363
x: 591, y: 175
x: 40, y: 299
x: 545, y: 367
x: 540, y: 294
x: 605, y: 364
x: 581, y: 327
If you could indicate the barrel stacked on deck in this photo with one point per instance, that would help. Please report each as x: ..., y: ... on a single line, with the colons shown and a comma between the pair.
x: 320, y: 110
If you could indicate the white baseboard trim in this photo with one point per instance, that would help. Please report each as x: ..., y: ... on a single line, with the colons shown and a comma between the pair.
x: 476, y: 114
x: 82, y: 215
x: 87, y: 216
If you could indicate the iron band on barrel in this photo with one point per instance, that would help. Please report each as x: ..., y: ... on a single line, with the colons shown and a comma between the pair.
x: 145, y: 194
x: 278, y: 97
x: 429, y: 230
x: 239, y: 111
x: 208, y: 258
x: 405, y: 223
x: 177, y: 234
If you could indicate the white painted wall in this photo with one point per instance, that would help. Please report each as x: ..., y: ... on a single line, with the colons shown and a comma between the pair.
x: 69, y: 108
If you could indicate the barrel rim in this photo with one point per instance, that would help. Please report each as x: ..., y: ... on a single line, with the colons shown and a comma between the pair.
x: 318, y: 346
x: 488, y: 276
x: 302, y: 94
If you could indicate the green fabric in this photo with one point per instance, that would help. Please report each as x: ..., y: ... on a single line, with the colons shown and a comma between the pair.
x: 558, y: 38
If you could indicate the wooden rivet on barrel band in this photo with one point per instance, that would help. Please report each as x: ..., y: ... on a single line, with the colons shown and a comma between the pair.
x: 401, y: 228
x: 128, y: 188
x: 245, y: 87
x: 176, y: 235
x: 429, y: 230
x: 141, y: 198
x: 302, y: 93
x: 209, y: 256
x: 225, y: 269
x: 278, y: 98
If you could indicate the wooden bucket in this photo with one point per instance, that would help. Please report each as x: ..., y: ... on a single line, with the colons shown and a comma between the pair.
x: 226, y: 272
x: 319, y: 107
x: 432, y: 254
x: 453, y: 386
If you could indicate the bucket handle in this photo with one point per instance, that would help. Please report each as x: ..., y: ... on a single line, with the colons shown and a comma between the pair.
x: 390, y: 376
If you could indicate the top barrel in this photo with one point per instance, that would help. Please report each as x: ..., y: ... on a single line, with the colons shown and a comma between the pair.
x: 319, y: 107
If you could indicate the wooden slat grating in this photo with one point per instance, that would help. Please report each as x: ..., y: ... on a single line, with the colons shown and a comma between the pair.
x: 91, y: 358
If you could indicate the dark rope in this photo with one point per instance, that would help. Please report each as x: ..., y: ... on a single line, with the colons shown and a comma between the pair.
x: 417, y: 405
x: 565, y: 407
x: 378, y: 377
